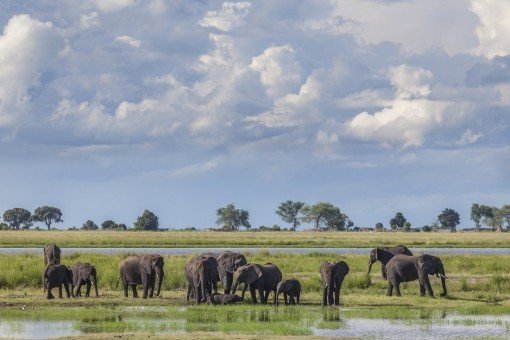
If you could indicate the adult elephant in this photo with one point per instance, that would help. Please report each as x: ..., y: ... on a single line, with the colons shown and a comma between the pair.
x: 51, y: 254
x: 403, y: 268
x: 333, y: 275
x: 144, y: 270
x: 201, y: 277
x: 384, y: 254
x: 56, y: 276
x: 263, y: 278
x: 84, y: 274
x: 228, y: 262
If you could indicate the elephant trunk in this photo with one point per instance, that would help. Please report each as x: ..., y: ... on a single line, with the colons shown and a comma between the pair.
x: 94, y: 282
x: 370, y: 263
x: 160, y: 281
x: 278, y: 291
x: 234, y: 288
x: 443, y: 279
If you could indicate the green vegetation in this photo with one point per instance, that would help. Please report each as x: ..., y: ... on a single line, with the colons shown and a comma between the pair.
x: 449, y: 218
x: 47, y: 215
x: 231, y: 218
x: 147, y: 221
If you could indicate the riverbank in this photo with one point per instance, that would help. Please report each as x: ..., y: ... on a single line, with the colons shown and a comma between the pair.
x: 184, y: 239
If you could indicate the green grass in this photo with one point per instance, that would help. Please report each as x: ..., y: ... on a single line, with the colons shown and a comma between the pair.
x: 477, y: 285
x: 169, y: 239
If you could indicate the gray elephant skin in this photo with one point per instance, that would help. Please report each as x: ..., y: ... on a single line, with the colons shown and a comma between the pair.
x: 224, y: 299
x: 84, y: 274
x: 51, y: 254
x: 384, y: 254
x: 403, y: 268
x: 201, y: 277
x: 261, y: 278
x: 228, y: 262
x: 142, y: 270
x: 291, y: 290
x: 333, y: 275
x: 56, y: 276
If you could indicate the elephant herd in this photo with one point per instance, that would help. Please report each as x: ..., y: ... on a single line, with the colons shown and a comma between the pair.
x: 232, y: 269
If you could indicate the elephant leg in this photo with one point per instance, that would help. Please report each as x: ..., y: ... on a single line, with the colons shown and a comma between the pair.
x: 87, y: 293
x: 397, y: 288
x: 60, y: 291
x: 133, y: 288
x: 244, y: 290
x: 78, y: 289
x: 337, y: 296
x: 330, y: 296
x: 297, y: 298
x: 66, y: 287
x: 253, y: 295
x: 428, y: 286
x: 292, y: 300
x: 188, y: 292
x: 324, y: 296
x: 48, y: 292
x: 228, y: 283
x: 285, y: 298
x: 390, y: 288
x: 422, y: 289
x: 126, y: 287
x: 262, y: 295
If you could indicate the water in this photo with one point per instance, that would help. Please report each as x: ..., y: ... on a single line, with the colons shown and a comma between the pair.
x: 186, y: 251
x: 327, y: 322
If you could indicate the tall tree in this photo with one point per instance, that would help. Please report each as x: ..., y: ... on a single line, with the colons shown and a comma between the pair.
x: 398, y: 221
x: 147, y: 221
x: 476, y: 214
x: 109, y: 224
x: 324, y: 215
x: 18, y: 218
x: 379, y: 226
x: 449, y: 218
x: 47, y: 215
x: 89, y: 225
x: 231, y: 218
x: 289, y: 211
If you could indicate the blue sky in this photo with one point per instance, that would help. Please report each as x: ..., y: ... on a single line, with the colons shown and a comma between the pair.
x: 109, y: 107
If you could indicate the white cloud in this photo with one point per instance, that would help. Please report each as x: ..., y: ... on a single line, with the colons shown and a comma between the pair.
x: 469, y: 137
x: 113, y: 5
x: 157, y: 7
x: 409, y: 117
x: 27, y: 47
x: 279, y: 72
x: 89, y: 20
x: 493, y: 28
x: 196, y: 169
x: 126, y: 39
x: 230, y: 16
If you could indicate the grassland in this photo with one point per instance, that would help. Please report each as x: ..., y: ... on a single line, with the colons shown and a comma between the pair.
x: 477, y: 284
x: 176, y: 239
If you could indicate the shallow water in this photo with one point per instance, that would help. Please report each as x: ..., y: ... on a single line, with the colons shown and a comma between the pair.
x: 328, y: 322
x: 185, y: 251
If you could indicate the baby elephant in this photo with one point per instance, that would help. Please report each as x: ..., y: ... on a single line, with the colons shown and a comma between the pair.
x: 56, y: 276
x: 290, y: 288
x: 224, y: 299
x: 84, y: 274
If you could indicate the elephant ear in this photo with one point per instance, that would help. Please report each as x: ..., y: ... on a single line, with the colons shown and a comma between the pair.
x: 253, y: 274
x: 343, y: 269
x: 147, y: 267
x: 227, y: 263
x: 426, y: 266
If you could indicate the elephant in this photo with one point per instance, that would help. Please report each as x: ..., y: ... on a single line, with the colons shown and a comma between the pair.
x: 333, y: 275
x: 384, y: 254
x: 290, y: 288
x: 201, y: 277
x: 51, y: 254
x: 84, y: 274
x: 228, y: 262
x: 263, y: 278
x: 224, y: 299
x: 56, y: 276
x: 404, y: 268
x: 144, y: 270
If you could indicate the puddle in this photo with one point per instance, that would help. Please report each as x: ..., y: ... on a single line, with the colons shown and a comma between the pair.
x: 27, y: 329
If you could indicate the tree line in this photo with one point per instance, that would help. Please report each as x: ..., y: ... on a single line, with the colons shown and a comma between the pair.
x: 321, y: 216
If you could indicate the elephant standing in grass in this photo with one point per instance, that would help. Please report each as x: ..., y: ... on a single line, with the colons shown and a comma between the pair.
x: 403, y: 268
x: 84, y: 274
x: 384, y: 254
x: 228, y: 262
x: 201, y: 277
x: 333, y: 275
x: 263, y: 278
x: 56, y: 276
x: 144, y: 270
x: 291, y: 289
x: 51, y: 254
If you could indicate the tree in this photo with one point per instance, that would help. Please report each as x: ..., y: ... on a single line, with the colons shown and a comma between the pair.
x: 18, y: 218
x: 47, y: 215
x: 505, y: 215
x: 407, y: 226
x: 449, y: 218
x: 349, y: 224
x: 398, y: 221
x: 121, y: 226
x: 148, y: 221
x: 231, y: 218
x: 288, y: 212
x: 108, y: 225
x: 426, y: 229
x: 89, y: 225
x: 324, y: 215
x: 379, y: 226
x: 476, y: 215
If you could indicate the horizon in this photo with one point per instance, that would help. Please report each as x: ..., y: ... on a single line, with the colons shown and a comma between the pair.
x: 374, y: 106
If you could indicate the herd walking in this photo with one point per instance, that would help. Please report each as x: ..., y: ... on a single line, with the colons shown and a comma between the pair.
x: 233, y: 270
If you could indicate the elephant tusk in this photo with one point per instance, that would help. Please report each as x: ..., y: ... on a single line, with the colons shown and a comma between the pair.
x: 443, y: 276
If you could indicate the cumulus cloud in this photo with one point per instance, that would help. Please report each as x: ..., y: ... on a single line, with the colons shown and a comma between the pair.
x: 27, y: 48
x: 279, y: 72
x: 469, y: 137
x: 89, y: 20
x: 126, y: 39
x: 492, y: 30
x: 230, y: 16
x: 408, y: 117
